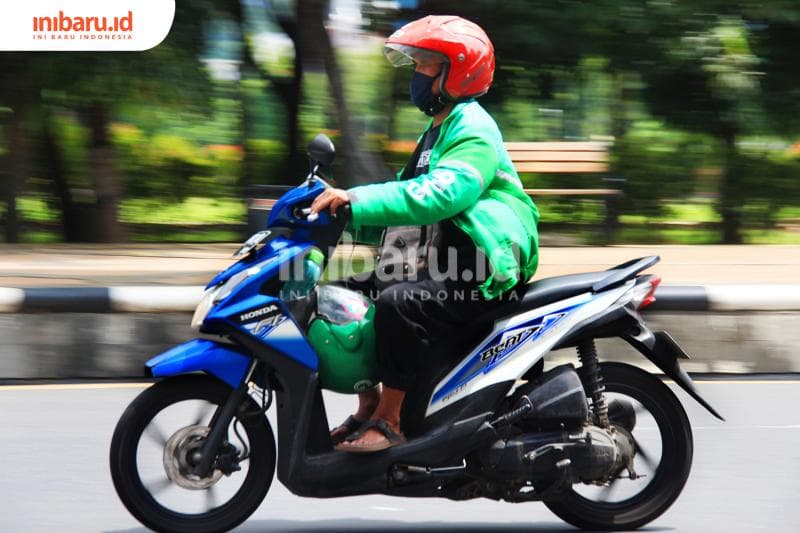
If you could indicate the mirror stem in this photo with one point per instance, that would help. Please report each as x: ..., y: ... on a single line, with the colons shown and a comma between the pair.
x: 313, y: 173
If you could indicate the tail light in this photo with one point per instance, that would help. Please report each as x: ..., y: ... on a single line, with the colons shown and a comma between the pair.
x: 650, y: 296
x: 642, y: 294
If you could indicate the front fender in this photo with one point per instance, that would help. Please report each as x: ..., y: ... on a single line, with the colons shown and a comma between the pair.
x: 220, y: 360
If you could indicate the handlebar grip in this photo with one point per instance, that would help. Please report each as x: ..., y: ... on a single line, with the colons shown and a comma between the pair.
x: 344, y: 211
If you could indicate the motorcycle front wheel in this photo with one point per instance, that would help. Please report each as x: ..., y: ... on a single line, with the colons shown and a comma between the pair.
x: 663, y: 459
x: 151, y: 458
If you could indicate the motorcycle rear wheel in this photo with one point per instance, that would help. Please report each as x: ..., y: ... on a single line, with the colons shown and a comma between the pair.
x: 670, y: 474
x: 136, y: 419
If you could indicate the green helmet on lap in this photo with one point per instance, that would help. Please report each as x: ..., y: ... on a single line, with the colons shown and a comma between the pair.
x: 343, y: 335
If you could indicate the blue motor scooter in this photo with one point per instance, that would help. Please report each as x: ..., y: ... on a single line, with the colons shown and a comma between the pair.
x: 196, y: 452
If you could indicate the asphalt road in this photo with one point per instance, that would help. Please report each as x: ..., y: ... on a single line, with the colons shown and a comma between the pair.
x: 54, y: 471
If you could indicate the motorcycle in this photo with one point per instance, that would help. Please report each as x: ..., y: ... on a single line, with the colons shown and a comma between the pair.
x: 605, y: 445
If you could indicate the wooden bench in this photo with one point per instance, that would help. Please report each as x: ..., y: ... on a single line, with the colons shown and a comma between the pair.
x: 570, y: 158
x: 528, y: 157
x: 566, y: 157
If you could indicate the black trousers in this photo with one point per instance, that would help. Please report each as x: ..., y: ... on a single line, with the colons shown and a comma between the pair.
x: 422, y: 323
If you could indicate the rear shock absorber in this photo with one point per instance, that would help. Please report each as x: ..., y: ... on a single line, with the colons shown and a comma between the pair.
x: 593, y: 381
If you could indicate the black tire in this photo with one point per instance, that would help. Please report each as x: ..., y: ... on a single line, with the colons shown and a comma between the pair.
x: 670, y: 474
x: 123, y: 458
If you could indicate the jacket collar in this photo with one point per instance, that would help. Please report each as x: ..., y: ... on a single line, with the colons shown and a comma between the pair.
x: 457, y: 110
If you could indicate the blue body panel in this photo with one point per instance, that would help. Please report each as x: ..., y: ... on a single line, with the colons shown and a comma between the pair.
x: 286, y: 337
x: 260, y: 315
x: 250, y: 288
x: 272, y: 248
x: 282, y: 212
x: 203, y: 355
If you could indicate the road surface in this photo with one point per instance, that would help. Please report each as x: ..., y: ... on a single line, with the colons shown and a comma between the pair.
x: 54, y: 471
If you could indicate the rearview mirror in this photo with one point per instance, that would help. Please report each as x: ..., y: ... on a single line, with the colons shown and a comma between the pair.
x: 321, y: 150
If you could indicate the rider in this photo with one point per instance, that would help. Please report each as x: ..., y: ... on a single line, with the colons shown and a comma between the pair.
x: 458, y: 203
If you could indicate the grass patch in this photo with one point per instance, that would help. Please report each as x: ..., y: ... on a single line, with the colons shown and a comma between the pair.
x: 771, y: 237
x: 693, y: 211
x: 189, y: 236
x: 788, y: 212
x: 40, y: 237
x: 193, y: 210
x: 644, y: 235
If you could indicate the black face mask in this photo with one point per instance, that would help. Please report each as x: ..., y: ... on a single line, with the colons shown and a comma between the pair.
x: 421, y: 88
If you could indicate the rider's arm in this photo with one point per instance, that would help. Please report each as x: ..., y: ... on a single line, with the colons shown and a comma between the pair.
x: 462, y: 173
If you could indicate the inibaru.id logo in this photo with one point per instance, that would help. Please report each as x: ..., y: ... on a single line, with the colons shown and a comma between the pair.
x: 101, y: 27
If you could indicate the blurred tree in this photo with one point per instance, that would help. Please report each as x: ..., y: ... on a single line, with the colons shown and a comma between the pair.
x: 713, y: 68
x: 303, y: 21
x: 720, y: 68
x: 19, y: 91
x: 533, y: 40
x: 773, y: 28
x: 93, y: 85
x: 729, y: 79
x: 288, y: 85
x: 360, y: 166
x: 699, y: 85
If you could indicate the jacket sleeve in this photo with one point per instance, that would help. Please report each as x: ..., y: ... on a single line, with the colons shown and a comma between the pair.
x: 462, y: 173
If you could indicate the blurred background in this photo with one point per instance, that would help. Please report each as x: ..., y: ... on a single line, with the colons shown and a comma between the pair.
x: 696, y: 100
x: 695, y: 104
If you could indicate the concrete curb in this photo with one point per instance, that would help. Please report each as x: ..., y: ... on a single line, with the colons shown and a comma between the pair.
x: 184, y: 298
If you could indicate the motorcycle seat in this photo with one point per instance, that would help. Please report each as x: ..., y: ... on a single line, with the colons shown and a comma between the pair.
x: 548, y: 290
x: 543, y: 292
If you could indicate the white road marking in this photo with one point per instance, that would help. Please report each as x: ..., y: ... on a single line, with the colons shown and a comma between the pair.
x: 74, y: 386
x: 382, y: 508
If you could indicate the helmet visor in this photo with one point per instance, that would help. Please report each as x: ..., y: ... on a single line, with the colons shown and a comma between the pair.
x: 400, y: 55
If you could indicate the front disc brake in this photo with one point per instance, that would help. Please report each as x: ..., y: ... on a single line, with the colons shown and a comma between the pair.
x: 177, y: 451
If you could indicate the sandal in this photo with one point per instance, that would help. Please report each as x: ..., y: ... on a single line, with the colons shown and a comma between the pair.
x: 392, y: 438
x: 351, y: 425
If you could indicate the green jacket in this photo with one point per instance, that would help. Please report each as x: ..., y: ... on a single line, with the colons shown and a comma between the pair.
x: 473, y: 182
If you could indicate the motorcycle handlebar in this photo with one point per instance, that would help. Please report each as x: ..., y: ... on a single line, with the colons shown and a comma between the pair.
x: 343, y: 211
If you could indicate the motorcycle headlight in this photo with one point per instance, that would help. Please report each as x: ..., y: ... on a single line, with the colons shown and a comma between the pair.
x: 205, y: 305
x: 227, y: 288
x: 216, y: 294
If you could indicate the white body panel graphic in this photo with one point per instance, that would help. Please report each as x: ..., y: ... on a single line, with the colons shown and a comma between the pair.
x: 530, y: 350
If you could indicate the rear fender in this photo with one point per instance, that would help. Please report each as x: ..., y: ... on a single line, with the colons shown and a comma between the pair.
x: 201, y: 355
x: 660, y: 348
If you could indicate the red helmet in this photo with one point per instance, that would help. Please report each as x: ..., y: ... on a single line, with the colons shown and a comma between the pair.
x: 462, y: 45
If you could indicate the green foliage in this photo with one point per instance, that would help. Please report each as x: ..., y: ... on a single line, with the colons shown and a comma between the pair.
x: 315, y: 112
x: 198, y: 236
x: 266, y: 159
x: 35, y: 209
x: 163, y: 165
x: 701, y: 96
x: 369, y: 92
x: 777, y: 46
x: 73, y: 139
x: 766, y: 182
x: 657, y: 163
x: 192, y: 210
